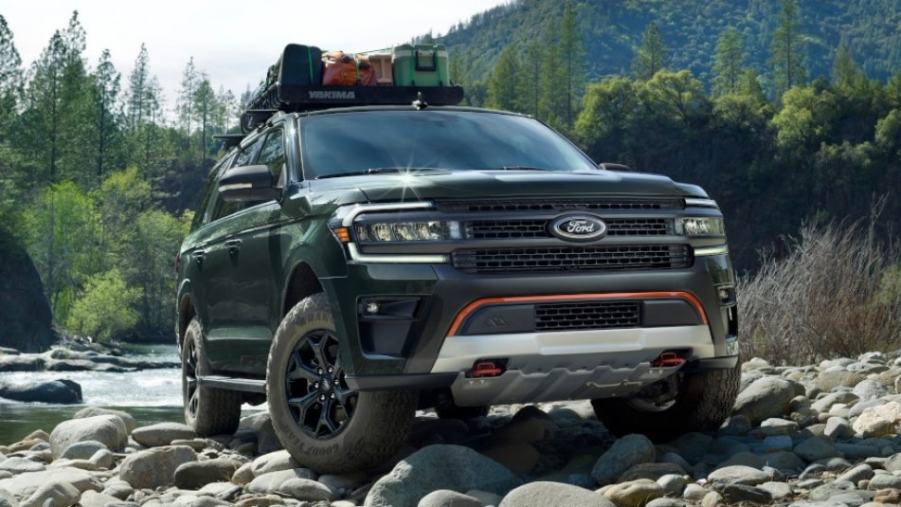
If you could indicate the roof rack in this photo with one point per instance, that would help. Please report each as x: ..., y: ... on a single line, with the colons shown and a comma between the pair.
x: 229, y: 140
x: 288, y: 98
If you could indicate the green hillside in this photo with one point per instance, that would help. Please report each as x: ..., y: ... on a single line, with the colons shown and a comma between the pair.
x: 612, y: 29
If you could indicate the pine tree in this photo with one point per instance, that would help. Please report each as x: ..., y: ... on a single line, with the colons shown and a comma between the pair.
x: 529, y: 92
x: 41, y: 119
x: 137, y: 90
x: 786, y: 50
x: 10, y: 70
x: 845, y: 71
x: 651, y: 56
x: 204, y: 107
x: 727, y: 66
x: 750, y: 86
x: 551, y: 103
x: 502, y: 84
x: 573, y: 54
x: 184, y: 105
x: 106, y: 93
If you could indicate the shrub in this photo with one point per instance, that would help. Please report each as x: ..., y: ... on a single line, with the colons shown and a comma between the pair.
x: 836, y: 293
x: 105, y: 308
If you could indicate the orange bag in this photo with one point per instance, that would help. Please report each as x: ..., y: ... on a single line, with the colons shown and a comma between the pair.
x: 340, y: 70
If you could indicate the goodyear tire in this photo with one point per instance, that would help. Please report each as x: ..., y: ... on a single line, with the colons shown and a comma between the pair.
x: 321, y: 422
x: 704, y: 400
x: 208, y: 411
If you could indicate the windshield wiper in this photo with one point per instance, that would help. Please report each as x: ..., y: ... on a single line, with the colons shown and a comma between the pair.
x: 381, y: 170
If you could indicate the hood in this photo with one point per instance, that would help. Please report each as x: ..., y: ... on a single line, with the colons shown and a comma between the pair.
x: 507, y: 184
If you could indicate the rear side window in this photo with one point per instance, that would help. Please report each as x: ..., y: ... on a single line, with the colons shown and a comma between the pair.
x: 202, y: 215
x: 272, y: 154
x: 245, y: 157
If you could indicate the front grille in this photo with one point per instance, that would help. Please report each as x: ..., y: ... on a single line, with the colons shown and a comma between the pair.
x: 572, y: 258
x: 588, y: 204
x: 519, y: 229
x: 587, y: 315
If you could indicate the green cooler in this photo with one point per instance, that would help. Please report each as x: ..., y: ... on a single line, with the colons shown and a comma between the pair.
x: 420, y: 65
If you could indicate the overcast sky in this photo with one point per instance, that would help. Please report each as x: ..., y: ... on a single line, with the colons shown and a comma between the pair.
x: 233, y: 41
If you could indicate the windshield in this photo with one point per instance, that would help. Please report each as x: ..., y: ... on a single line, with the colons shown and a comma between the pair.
x: 366, y: 142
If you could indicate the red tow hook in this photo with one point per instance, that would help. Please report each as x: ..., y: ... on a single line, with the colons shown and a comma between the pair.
x: 485, y: 369
x: 668, y: 360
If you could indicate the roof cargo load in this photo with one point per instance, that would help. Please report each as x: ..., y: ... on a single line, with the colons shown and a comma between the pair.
x: 294, y: 84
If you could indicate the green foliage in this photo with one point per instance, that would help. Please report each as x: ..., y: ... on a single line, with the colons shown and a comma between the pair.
x: 651, y: 56
x: 787, y: 52
x: 105, y: 309
x: 729, y: 63
x: 504, y: 82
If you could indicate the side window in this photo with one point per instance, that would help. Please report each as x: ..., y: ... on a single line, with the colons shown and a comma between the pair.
x: 272, y: 154
x: 202, y: 215
x: 245, y: 157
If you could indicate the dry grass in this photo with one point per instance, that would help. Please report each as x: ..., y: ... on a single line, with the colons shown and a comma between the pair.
x: 836, y: 293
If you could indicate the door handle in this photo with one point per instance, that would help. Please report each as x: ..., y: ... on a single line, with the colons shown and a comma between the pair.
x: 233, y: 245
x: 198, y: 256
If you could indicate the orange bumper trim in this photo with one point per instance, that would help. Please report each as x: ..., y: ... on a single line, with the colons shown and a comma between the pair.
x: 556, y: 298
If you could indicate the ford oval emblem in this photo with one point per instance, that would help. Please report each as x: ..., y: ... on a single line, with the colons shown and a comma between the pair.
x: 578, y: 227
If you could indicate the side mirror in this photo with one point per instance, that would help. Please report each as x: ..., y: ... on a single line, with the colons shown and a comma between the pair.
x: 609, y: 166
x: 248, y: 183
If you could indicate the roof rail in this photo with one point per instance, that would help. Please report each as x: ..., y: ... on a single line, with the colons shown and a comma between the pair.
x: 229, y: 140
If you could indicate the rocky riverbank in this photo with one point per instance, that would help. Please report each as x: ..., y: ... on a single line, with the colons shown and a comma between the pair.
x: 822, y: 435
x: 82, y: 357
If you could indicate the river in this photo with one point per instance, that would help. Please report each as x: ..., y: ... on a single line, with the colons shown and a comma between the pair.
x: 149, y: 395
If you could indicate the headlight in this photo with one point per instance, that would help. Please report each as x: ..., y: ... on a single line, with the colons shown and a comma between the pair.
x: 700, y: 226
x: 431, y: 230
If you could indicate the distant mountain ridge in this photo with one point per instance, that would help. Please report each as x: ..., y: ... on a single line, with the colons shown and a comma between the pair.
x: 611, y: 29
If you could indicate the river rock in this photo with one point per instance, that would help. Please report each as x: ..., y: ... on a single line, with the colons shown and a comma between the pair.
x: 765, y: 398
x: 18, y: 465
x: 53, y: 494
x: 82, y: 450
x: 47, y: 391
x: 271, y: 482
x: 273, y: 462
x: 109, y: 430
x: 652, y: 471
x: 196, y: 474
x: 743, y: 493
x: 884, y: 481
x: 92, y: 498
x: 448, y: 498
x: 519, y: 457
x: 544, y: 494
x: 118, y: 488
x: 777, y: 490
x: 815, y: 448
x: 24, y: 485
x: 633, y: 493
x: 625, y: 453
x: 879, y: 421
x: 439, y: 467
x: 838, y: 428
x: 834, y: 377
x: 160, y: 434
x: 738, y: 474
x: 128, y: 419
x: 155, y: 467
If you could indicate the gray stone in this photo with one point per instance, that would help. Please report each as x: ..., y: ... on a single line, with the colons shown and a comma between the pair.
x: 161, y: 434
x: 155, y: 467
x: 448, y: 498
x: 856, y: 474
x: 667, y: 502
x: 118, y: 488
x: 652, y: 471
x: 196, y: 474
x: 633, y: 493
x: 59, y: 391
x: 483, y: 496
x: 92, y: 498
x: 776, y: 426
x: 838, y: 428
x: 743, y: 493
x: 893, y: 464
x: 82, y: 450
x: 744, y: 458
x: 53, y: 494
x: 109, y: 430
x: 766, y: 397
x: 222, y: 490
x: 243, y: 474
x: 879, y: 421
x: 17, y: 465
x: 304, y: 490
x: 825, y: 403
x: 884, y: 481
x: 439, y: 467
x: 815, y: 448
x: 736, y: 425
x: 834, y: 377
x: 830, y: 490
x: 692, y: 446
x: 712, y: 499
x: 738, y: 474
x: 102, y: 458
x: 777, y: 490
x: 776, y: 443
x: 127, y: 419
x: 625, y: 453
x: 869, y: 389
x: 273, y: 462
x: 23, y: 485
x: 543, y: 494
x: 694, y: 492
x: 673, y: 484
x: 784, y: 461
x: 343, y: 483
x: 272, y: 482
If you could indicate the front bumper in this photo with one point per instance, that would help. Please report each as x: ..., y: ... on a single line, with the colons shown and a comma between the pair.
x: 419, y: 353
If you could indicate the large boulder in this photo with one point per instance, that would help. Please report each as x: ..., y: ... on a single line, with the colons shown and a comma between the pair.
x: 109, y: 430
x: 128, y: 419
x: 196, y: 474
x: 56, y: 494
x: 624, y: 454
x: 155, y: 467
x: 44, y: 391
x: 766, y: 397
x: 878, y: 421
x: 542, y: 494
x: 439, y: 467
x: 25, y: 322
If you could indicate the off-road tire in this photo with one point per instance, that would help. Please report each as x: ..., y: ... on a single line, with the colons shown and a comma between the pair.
x: 218, y: 411
x: 704, y: 400
x: 463, y: 413
x: 381, y: 419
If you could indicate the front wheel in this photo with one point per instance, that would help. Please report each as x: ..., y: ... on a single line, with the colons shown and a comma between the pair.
x: 321, y: 422
x: 703, y: 401
x: 208, y: 411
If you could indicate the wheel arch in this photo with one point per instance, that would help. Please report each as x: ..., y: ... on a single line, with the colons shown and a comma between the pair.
x: 301, y: 283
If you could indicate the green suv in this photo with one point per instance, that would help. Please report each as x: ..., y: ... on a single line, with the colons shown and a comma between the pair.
x: 350, y: 265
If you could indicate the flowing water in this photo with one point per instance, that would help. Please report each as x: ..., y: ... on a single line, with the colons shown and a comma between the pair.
x: 149, y: 395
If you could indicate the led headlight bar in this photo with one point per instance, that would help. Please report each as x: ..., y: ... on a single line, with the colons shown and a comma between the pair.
x: 700, y: 226
x: 430, y: 230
